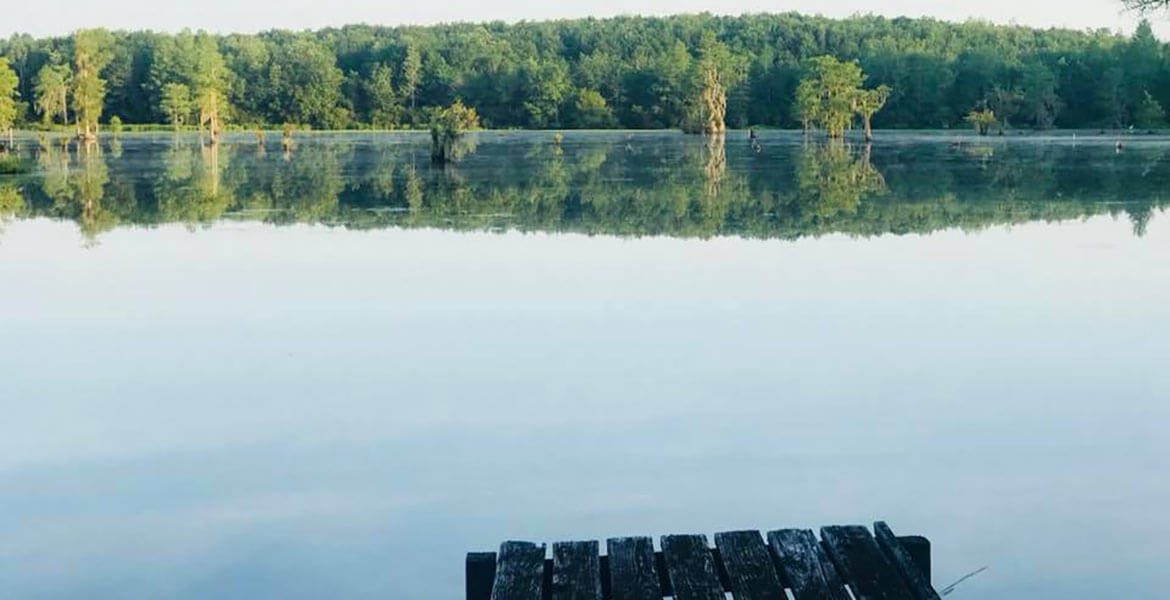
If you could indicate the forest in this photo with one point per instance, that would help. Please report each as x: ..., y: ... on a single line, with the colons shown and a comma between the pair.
x: 628, y: 72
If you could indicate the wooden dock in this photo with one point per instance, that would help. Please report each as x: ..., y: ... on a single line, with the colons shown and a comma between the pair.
x: 746, y: 564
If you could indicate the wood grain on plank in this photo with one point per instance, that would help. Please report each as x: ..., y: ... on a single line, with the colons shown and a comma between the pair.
x: 749, y: 566
x: 691, y: 568
x: 576, y: 571
x: 632, y: 572
x: 519, y: 572
x: 863, y: 565
x: 898, y: 556
x: 804, y: 567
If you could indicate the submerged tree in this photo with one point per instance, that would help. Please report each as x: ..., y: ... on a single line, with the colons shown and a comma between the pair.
x: 92, y: 51
x: 830, y: 95
x: 447, y: 128
x: 867, y: 103
x: 9, y: 94
x: 52, y: 91
x: 717, y: 70
x: 208, y: 84
x: 806, y: 106
x: 982, y: 120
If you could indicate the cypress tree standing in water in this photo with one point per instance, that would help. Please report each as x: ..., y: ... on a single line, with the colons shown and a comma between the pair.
x: 92, y: 51
x: 208, y: 79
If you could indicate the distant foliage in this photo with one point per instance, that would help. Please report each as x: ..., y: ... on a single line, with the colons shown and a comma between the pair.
x: 697, y: 72
x: 9, y: 95
x: 176, y: 103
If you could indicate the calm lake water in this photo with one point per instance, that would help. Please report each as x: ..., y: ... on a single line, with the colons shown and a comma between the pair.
x: 332, y: 372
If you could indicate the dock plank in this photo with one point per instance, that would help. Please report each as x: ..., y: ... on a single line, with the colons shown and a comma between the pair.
x: 481, y: 574
x: 903, y: 563
x: 519, y: 572
x: 804, y: 567
x: 632, y: 572
x: 863, y: 565
x: 576, y: 571
x: 691, y: 568
x: 749, y: 567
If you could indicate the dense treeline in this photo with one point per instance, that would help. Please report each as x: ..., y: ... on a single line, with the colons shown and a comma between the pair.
x: 630, y: 72
x: 662, y: 185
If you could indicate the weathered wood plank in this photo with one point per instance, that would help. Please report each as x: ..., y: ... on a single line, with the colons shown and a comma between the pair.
x: 862, y: 564
x: 919, y: 549
x: 904, y: 565
x: 691, y: 568
x: 481, y: 572
x: 576, y: 571
x: 519, y: 572
x: 632, y: 572
x: 749, y: 567
x: 804, y: 567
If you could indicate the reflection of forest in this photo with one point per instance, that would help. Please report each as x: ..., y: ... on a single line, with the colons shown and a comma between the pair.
x: 695, y: 187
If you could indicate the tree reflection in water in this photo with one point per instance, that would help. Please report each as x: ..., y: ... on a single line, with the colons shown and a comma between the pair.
x: 614, y: 184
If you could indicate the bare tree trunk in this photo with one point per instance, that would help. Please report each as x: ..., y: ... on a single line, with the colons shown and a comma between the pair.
x: 868, y: 130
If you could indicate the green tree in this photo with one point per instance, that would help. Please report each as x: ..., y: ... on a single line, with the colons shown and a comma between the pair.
x: 1149, y: 113
x: 590, y: 111
x: 52, y: 91
x: 92, y: 51
x: 827, y: 95
x: 1039, y: 103
x: 982, y: 120
x: 717, y: 70
x: 867, y: 103
x: 306, y: 84
x: 385, y: 109
x: 411, y: 73
x: 447, y: 129
x: 806, y: 106
x: 542, y: 87
x: 208, y: 83
x: 176, y: 104
x: 9, y: 94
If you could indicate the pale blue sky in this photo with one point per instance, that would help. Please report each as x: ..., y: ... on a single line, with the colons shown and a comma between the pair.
x: 61, y: 16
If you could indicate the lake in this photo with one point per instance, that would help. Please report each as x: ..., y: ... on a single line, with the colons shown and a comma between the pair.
x: 246, y: 373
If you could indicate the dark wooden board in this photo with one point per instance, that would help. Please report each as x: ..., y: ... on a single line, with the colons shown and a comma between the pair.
x: 519, y: 572
x: 691, y: 568
x: 898, y: 556
x: 576, y: 571
x: 804, y: 567
x: 863, y: 565
x: 919, y: 549
x: 632, y: 572
x: 481, y: 573
x: 749, y: 566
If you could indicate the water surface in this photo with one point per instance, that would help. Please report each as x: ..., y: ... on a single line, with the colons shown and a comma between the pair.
x: 332, y: 372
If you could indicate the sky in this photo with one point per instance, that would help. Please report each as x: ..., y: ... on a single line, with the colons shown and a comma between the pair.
x: 53, y: 17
